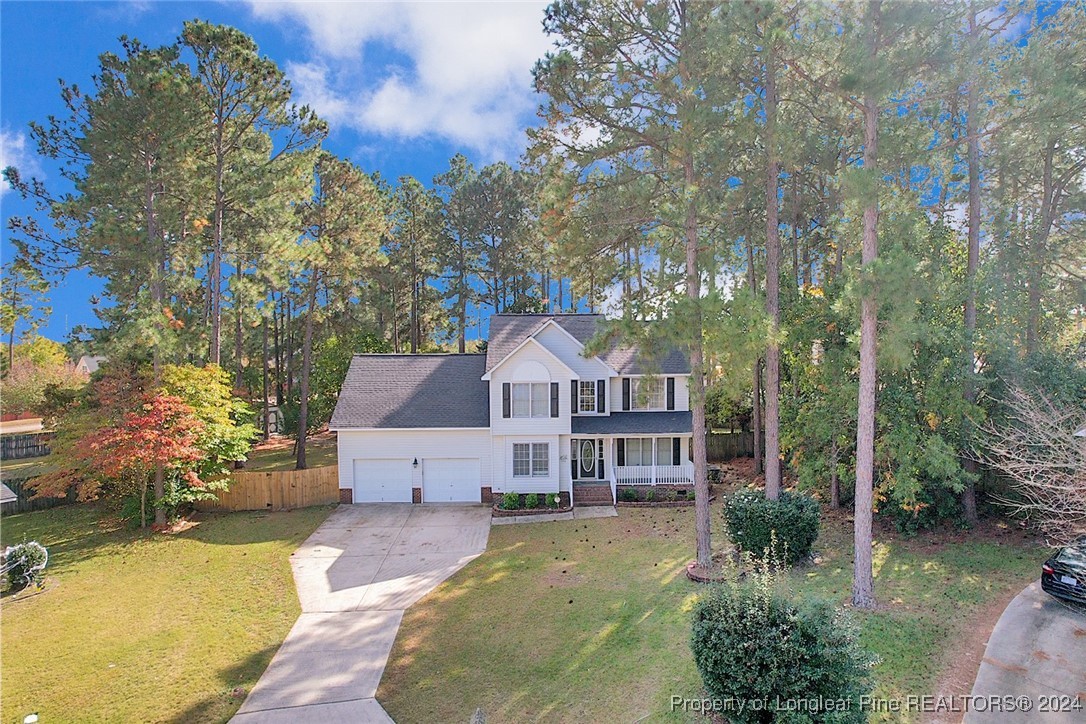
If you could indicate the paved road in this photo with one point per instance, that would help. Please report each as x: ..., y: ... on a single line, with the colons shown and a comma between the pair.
x: 356, y: 575
x: 1037, y: 650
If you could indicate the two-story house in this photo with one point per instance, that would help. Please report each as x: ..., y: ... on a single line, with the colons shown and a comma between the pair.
x: 534, y: 414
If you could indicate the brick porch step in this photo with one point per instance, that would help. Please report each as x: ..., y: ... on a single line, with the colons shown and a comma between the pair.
x: 588, y: 494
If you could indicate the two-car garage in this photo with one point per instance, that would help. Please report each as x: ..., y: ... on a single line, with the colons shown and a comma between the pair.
x: 391, y: 480
x: 414, y: 428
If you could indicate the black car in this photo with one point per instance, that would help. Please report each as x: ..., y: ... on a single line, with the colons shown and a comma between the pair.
x: 1064, y: 574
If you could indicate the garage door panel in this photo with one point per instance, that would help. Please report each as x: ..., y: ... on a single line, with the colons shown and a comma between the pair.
x: 382, y: 480
x: 451, y: 480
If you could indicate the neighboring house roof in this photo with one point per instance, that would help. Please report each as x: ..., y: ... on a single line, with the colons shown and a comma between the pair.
x: 633, y: 423
x: 90, y: 363
x: 7, y: 495
x: 1081, y: 433
x: 413, y: 390
x: 508, y: 331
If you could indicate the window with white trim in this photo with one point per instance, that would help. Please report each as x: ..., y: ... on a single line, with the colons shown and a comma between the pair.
x: 647, y: 393
x: 639, y: 451
x: 587, y: 396
x: 531, y: 399
x: 664, y: 449
x: 531, y: 460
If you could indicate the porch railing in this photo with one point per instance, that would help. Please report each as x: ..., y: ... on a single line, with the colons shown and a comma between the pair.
x: 654, y: 474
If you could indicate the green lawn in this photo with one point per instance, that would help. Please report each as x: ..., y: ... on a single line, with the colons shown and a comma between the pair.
x: 589, y: 620
x: 142, y: 627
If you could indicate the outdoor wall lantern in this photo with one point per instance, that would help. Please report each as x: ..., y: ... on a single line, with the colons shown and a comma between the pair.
x: 415, y: 464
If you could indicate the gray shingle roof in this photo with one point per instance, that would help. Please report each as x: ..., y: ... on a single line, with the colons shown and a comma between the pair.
x: 509, y: 330
x: 404, y: 390
x: 633, y: 423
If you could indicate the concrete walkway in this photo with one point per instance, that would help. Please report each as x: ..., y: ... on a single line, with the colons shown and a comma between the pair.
x: 356, y: 575
x: 1037, y: 650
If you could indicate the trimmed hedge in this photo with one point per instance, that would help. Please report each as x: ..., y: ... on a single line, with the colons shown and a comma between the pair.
x: 753, y: 519
x: 755, y: 646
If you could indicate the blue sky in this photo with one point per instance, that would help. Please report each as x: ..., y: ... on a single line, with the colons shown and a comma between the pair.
x: 403, y: 86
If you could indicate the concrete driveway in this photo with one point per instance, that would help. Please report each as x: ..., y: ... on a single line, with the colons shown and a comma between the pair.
x: 1037, y: 650
x: 356, y: 575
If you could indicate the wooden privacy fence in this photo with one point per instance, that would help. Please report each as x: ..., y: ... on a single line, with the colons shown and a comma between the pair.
x: 29, y: 445
x: 721, y: 446
x: 25, y: 503
x: 281, y: 490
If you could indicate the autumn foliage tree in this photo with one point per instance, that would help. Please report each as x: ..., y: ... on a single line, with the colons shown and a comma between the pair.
x: 114, y: 437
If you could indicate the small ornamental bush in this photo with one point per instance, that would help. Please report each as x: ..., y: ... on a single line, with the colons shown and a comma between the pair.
x: 787, y: 526
x: 531, y: 500
x: 24, y: 563
x: 670, y: 495
x: 753, y: 643
x: 650, y: 495
x: 552, y: 500
x: 510, y: 501
x: 628, y: 495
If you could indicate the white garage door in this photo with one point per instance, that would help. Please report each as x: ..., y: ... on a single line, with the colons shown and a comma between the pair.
x: 450, y: 480
x: 382, y: 481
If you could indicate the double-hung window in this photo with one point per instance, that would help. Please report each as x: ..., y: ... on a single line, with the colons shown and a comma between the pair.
x: 531, y: 399
x: 639, y: 451
x: 587, y: 396
x: 647, y: 393
x: 531, y: 459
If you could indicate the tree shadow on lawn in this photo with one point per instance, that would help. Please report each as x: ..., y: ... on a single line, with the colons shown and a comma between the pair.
x: 77, y: 533
x: 237, y: 680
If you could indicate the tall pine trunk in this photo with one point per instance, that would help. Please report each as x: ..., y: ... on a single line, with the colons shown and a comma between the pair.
x: 863, y: 593
x: 264, y: 380
x: 772, y: 287
x: 158, y: 293
x: 756, y: 396
x: 969, y: 496
x: 307, y: 351
x: 215, y: 276
x: 702, y: 516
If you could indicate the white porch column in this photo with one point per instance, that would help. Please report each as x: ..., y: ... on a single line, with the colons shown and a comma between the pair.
x: 653, y: 460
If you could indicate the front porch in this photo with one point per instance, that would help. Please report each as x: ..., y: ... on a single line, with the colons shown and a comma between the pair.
x: 682, y: 474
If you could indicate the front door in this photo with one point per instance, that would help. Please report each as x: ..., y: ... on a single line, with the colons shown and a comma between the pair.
x: 588, y: 460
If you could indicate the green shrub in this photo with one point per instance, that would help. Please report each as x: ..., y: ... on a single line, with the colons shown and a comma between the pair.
x: 531, y: 500
x: 650, y: 495
x: 670, y: 495
x: 553, y: 500
x: 750, y: 641
x: 510, y: 501
x: 628, y: 495
x: 754, y: 521
x: 24, y: 564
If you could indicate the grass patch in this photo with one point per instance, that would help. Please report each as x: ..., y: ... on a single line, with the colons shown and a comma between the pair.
x: 589, y: 620
x: 136, y: 626
x: 278, y: 453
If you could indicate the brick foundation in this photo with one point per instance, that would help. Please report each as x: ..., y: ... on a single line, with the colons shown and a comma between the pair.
x: 416, y: 495
x: 486, y: 495
x: 346, y: 495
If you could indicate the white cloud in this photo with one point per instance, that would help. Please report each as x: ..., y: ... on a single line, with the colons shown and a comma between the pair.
x: 16, y: 150
x: 457, y: 71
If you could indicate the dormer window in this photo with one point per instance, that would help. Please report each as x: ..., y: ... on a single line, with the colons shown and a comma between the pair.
x: 587, y: 397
